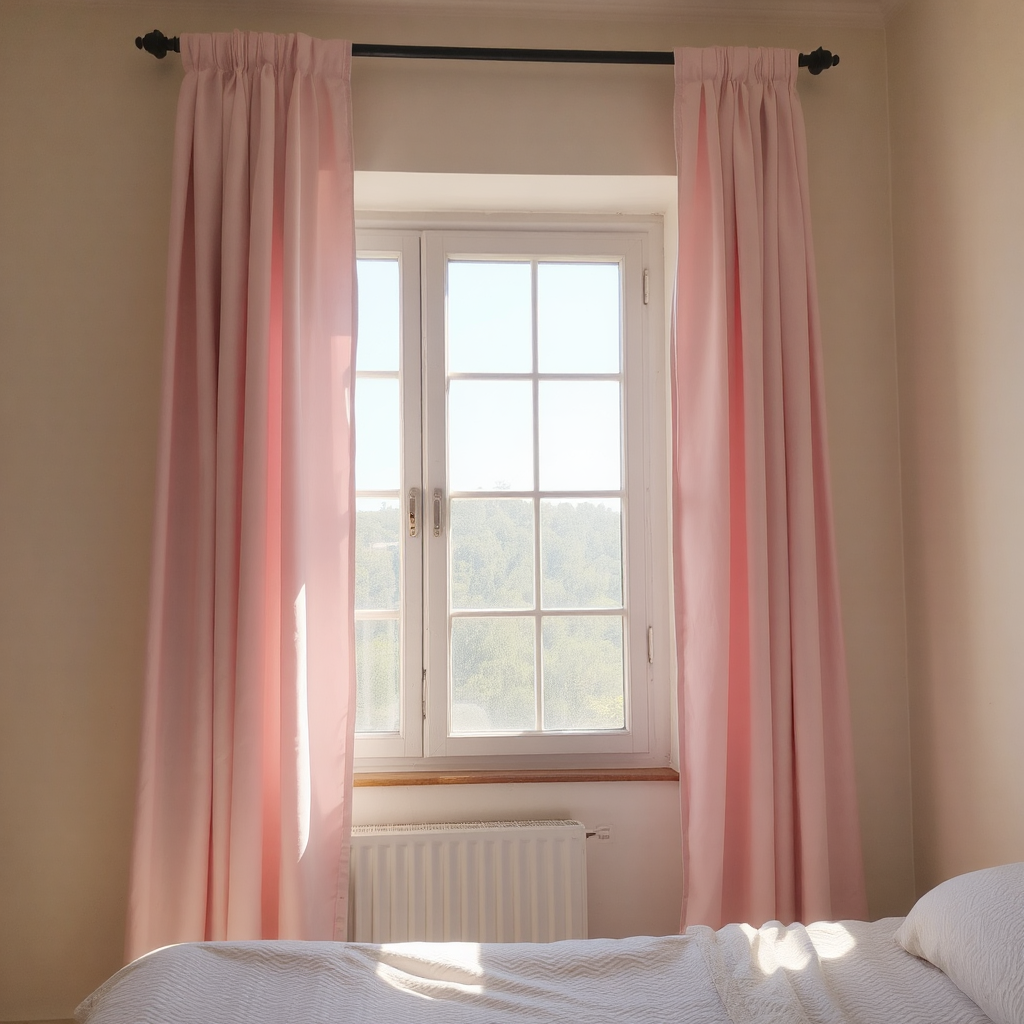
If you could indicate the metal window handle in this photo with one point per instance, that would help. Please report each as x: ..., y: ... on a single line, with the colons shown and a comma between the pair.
x: 437, y: 513
x: 413, y: 495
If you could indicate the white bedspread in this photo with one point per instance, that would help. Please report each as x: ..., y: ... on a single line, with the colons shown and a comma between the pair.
x: 822, y: 974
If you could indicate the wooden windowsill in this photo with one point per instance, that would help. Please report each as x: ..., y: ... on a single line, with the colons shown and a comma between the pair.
x: 470, y: 778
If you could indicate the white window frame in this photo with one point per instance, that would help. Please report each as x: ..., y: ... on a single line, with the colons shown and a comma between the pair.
x: 422, y: 246
x: 407, y: 744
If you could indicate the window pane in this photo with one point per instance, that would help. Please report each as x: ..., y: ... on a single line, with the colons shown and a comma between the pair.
x: 378, y: 460
x: 578, y: 318
x: 580, y: 437
x: 581, y: 554
x: 379, y: 306
x: 378, y: 554
x: 492, y: 553
x: 377, y: 660
x: 493, y: 675
x: 582, y: 664
x: 490, y: 321
x: 490, y: 435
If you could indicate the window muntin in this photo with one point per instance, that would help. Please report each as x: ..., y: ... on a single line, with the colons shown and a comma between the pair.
x: 532, y: 342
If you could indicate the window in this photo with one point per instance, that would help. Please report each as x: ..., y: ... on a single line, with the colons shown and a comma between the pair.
x: 508, y: 515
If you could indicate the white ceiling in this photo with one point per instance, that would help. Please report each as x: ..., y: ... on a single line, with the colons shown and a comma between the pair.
x: 828, y: 10
x: 836, y: 11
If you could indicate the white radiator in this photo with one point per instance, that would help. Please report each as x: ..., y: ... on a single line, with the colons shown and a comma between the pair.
x: 481, y: 881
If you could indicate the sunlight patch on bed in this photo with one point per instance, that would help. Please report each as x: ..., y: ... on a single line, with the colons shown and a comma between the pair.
x: 831, y: 940
x: 432, y: 970
x: 774, y: 947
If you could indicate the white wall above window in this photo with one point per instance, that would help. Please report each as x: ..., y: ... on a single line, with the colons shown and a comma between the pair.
x: 562, y: 193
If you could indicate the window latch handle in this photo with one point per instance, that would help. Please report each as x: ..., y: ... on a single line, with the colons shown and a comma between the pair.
x: 437, y: 512
x: 413, y: 526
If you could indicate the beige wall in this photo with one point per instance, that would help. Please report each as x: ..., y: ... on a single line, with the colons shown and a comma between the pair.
x: 85, y: 136
x: 957, y: 85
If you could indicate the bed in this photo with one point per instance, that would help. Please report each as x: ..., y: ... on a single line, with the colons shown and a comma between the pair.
x: 958, y: 958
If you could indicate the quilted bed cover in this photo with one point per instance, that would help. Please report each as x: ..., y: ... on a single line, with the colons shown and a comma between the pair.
x: 851, y: 972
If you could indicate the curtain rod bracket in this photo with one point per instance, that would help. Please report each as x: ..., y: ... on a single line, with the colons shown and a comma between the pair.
x: 159, y: 45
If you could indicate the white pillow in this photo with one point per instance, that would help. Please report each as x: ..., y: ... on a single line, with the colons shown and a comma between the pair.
x: 972, y: 929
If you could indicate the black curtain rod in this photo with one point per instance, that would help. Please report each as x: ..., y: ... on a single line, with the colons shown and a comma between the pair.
x: 159, y: 45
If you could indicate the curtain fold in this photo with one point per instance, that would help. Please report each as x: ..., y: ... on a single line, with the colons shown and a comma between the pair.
x: 770, y: 819
x: 243, y: 809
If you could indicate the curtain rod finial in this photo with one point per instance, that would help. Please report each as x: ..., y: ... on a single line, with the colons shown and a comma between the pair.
x: 157, y: 43
x: 818, y: 60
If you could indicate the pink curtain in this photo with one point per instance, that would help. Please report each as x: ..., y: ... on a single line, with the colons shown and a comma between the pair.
x: 243, y: 808
x: 769, y: 806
